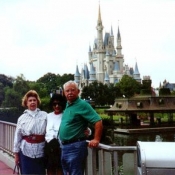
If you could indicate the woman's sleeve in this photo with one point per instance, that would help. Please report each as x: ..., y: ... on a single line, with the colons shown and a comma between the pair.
x: 17, y: 138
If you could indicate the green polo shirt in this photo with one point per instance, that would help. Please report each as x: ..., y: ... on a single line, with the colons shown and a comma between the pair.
x: 75, y: 120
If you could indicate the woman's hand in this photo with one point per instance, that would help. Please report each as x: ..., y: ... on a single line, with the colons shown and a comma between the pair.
x: 17, y: 159
x: 88, y: 132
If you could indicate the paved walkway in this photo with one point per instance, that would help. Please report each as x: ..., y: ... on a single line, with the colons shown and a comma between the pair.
x: 4, y: 169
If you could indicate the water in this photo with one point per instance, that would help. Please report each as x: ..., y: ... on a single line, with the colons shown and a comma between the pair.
x: 131, y: 139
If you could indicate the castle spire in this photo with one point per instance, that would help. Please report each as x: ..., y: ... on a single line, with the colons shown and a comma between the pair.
x: 99, y: 28
x: 119, y: 47
x: 112, y: 31
x: 99, y: 14
x: 77, y: 75
x: 100, y: 49
x: 136, y: 73
x: 118, y: 34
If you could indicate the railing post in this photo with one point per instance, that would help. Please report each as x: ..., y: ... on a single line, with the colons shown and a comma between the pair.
x: 116, y: 168
x: 91, y: 165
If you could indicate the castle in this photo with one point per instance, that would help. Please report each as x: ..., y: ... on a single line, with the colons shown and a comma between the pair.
x: 106, y: 62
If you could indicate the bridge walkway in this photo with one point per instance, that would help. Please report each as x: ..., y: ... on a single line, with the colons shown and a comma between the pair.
x: 4, y: 169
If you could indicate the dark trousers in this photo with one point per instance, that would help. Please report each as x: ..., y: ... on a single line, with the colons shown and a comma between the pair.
x: 32, y: 165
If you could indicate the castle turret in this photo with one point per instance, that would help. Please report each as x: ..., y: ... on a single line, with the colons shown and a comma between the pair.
x: 90, y: 53
x: 86, y: 75
x: 77, y: 75
x: 106, y: 80
x: 136, y: 74
x: 92, y: 74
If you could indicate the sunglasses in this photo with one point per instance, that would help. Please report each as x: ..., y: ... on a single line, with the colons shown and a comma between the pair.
x: 55, y: 104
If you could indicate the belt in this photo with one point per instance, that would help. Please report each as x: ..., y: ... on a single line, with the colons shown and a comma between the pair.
x: 73, y: 140
x: 34, y: 138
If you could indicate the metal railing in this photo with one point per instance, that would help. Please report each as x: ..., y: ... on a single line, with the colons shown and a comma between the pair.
x: 105, y: 160
x: 7, y: 131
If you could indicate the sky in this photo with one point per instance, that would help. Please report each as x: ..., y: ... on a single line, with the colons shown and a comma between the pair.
x: 53, y: 36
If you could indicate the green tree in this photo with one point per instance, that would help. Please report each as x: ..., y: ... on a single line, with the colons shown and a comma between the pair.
x: 39, y: 88
x: 5, y: 81
x: 164, y: 91
x: 14, y: 95
x: 20, y: 85
x: 2, y: 94
x: 12, y: 98
x: 86, y: 93
x: 64, y: 78
x: 128, y: 86
x: 52, y: 81
x: 49, y: 81
x: 113, y: 92
x: 100, y: 93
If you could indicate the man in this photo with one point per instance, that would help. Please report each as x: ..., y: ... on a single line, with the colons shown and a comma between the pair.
x: 77, y: 115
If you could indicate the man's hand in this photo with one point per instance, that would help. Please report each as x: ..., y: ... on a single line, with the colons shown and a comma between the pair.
x: 97, y: 136
x: 93, y: 143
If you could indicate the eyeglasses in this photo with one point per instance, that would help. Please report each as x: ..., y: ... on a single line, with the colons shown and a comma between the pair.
x: 55, y: 104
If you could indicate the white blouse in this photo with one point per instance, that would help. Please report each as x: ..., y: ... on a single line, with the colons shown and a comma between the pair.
x: 30, y: 122
x: 53, y: 125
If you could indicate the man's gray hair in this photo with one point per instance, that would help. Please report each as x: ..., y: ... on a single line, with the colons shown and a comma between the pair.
x: 70, y: 82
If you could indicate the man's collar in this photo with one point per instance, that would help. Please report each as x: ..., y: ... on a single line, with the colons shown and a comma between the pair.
x: 75, y: 101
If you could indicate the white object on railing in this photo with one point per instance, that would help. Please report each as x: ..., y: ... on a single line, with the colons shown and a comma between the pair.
x: 156, y: 158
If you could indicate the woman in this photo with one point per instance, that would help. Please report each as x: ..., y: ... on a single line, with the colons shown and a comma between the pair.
x: 29, y: 138
x: 52, y: 147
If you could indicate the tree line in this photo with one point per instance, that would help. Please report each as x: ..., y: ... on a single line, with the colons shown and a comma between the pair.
x: 13, y: 89
x: 105, y: 94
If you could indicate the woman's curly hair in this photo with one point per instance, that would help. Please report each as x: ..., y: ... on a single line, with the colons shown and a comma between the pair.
x: 31, y: 93
x: 60, y: 98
